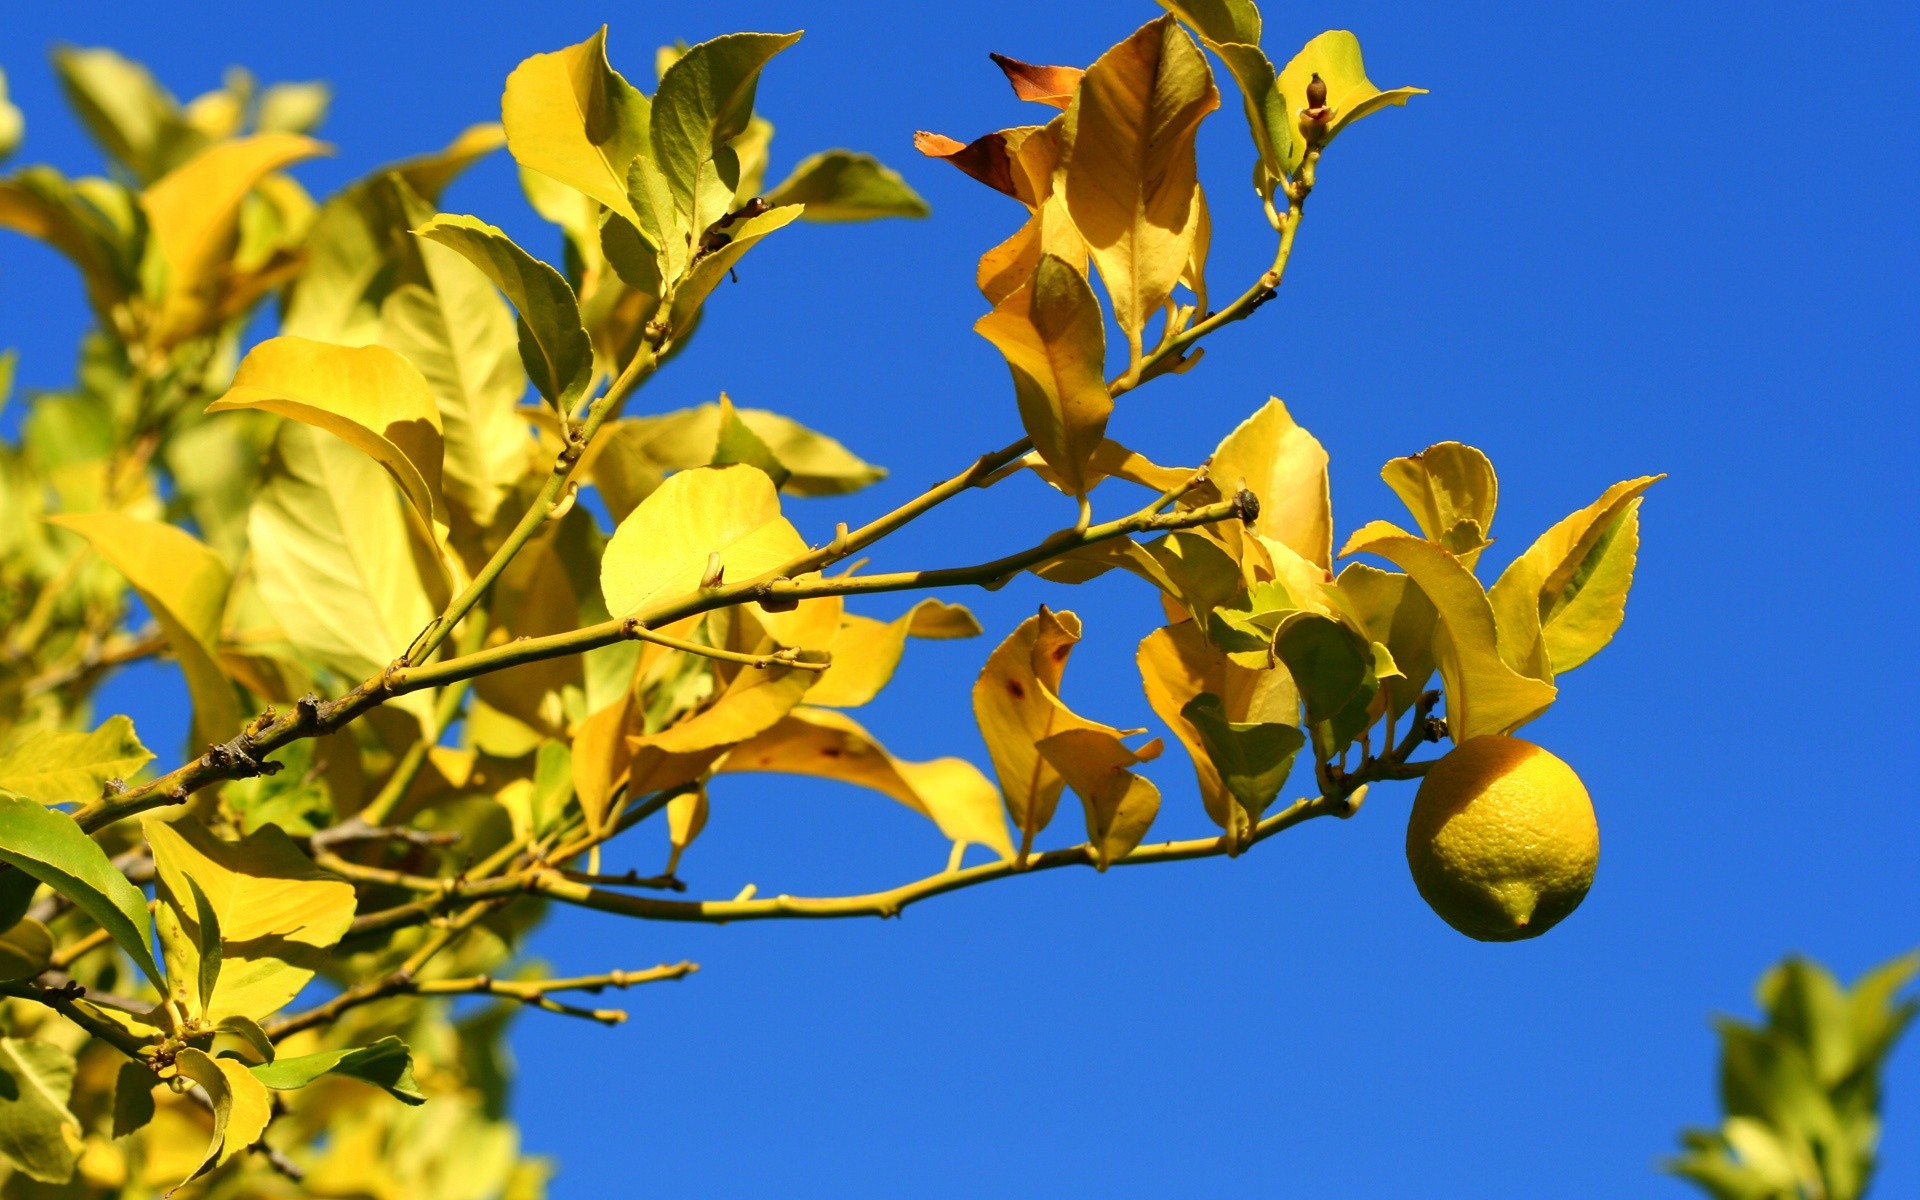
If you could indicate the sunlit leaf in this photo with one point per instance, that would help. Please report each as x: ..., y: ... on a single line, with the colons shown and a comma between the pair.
x: 1051, y: 86
x: 704, y: 101
x: 710, y: 268
x: 817, y: 465
x: 600, y: 761
x: 572, y: 117
x: 819, y: 742
x: 738, y: 443
x: 1119, y: 805
x: 865, y: 652
x: 37, y: 1133
x: 68, y: 767
x: 46, y: 844
x: 13, y: 125
x: 1231, y: 29
x: 40, y: 203
x: 1055, y: 344
x: 184, y: 585
x: 1451, y: 491
x: 553, y: 343
x: 840, y: 185
x: 386, y: 1064
x: 1397, y: 615
x: 1484, y: 693
x: 1130, y: 174
x: 241, y: 1106
x: 125, y: 110
x: 753, y: 702
x: 661, y: 550
x: 278, y: 916
x: 1334, y: 56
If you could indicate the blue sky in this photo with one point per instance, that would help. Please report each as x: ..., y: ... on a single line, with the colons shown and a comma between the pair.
x: 1614, y: 240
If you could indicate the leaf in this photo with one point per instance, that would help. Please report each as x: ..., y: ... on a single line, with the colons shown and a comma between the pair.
x: 132, y: 1098
x: 817, y: 465
x: 753, y: 701
x: 1285, y: 467
x: 37, y: 1133
x: 840, y: 185
x: 865, y: 652
x: 1120, y: 806
x: 1331, y: 664
x: 951, y: 792
x: 193, y: 212
x: 1051, y: 86
x: 13, y: 126
x: 570, y: 116
x: 277, y: 916
x: 739, y: 444
x: 130, y: 115
x: 39, y: 202
x: 332, y: 556
x: 46, y: 844
x: 553, y: 343
x: 386, y: 1064
x: 1231, y: 29
x: 709, y: 269
x: 207, y: 925
x: 25, y: 950
x: 369, y: 397
x: 686, y: 817
x: 1484, y: 693
x: 704, y: 101
x: 1055, y: 344
x: 1451, y: 491
x: 987, y: 158
x: 1399, y: 616
x: 600, y: 761
x: 184, y: 584
x: 241, y: 1106
x: 660, y: 551
x: 1130, y: 175
x: 66, y: 767
x: 1570, y: 587
x: 293, y: 107
x: 1252, y: 758
x: 1335, y: 57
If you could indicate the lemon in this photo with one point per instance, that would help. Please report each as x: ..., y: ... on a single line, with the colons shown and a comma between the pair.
x: 1502, y: 840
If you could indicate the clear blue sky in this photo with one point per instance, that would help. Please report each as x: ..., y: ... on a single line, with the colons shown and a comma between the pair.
x: 1615, y: 239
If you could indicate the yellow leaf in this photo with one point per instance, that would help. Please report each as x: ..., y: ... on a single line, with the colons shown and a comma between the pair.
x: 1569, y: 590
x: 1055, y: 344
x: 865, y: 652
x: 1485, y: 694
x: 279, y: 916
x: 368, y: 396
x: 572, y: 117
x: 660, y: 552
x: 1231, y: 29
x: 241, y: 1105
x: 1335, y: 57
x: 753, y: 701
x: 1110, y: 458
x: 819, y: 742
x: 1120, y: 805
x: 193, y: 211
x: 1285, y: 467
x: 1177, y: 663
x: 601, y: 761
x: 686, y: 817
x: 184, y: 585
x: 1451, y: 491
x: 1130, y: 181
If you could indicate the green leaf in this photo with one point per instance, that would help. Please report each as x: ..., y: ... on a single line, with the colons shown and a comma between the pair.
x: 386, y: 1064
x: 125, y: 110
x: 132, y: 1098
x: 553, y: 342
x: 817, y: 464
x: 1231, y: 29
x: 709, y: 269
x: 1253, y: 758
x: 66, y: 767
x: 47, y: 844
x: 25, y: 950
x: 1330, y: 664
x: 37, y: 1133
x: 275, y: 917
x: 705, y: 100
x: 184, y: 584
x: 738, y: 443
x: 293, y: 107
x: 840, y: 185
x: 570, y: 116
x: 1335, y: 57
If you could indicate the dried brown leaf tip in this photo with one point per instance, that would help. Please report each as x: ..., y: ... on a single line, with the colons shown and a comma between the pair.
x: 986, y: 158
x: 1053, y: 86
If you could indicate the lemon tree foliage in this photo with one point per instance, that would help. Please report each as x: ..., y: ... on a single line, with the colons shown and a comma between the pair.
x: 468, y: 629
x: 1801, y: 1089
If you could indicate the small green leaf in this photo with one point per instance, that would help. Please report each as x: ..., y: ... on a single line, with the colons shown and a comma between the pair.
x: 61, y: 767
x: 48, y: 845
x: 839, y: 185
x: 709, y: 269
x: 37, y: 1133
x: 387, y: 1064
x: 740, y: 444
x: 705, y: 100
x: 25, y: 950
x: 208, y: 927
x: 1329, y: 662
x: 132, y: 1098
x: 553, y: 342
x: 1254, y: 759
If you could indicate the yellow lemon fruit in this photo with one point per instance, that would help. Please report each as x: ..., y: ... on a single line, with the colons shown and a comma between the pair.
x: 1502, y: 840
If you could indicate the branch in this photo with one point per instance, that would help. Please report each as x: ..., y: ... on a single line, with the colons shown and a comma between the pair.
x: 537, y: 993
